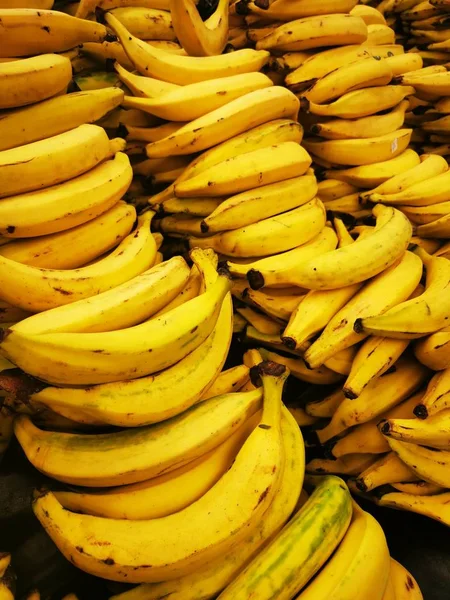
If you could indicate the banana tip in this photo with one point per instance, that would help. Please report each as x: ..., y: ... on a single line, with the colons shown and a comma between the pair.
x: 204, y: 227
x: 289, y: 342
x: 255, y: 279
x: 4, y: 333
x: 384, y: 427
x: 358, y: 326
x: 421, y: 411
x: 349, y: 393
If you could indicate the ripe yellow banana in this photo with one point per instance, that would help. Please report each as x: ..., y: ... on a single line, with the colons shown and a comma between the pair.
x: 351, y: 464
x: 439, y: 228
x: 435, y: 506
x: 298, y: 369
x: 433, y: 215
x: 360, y: 151
x: 143, y: 87
x: 91, y: 239
x: 278, y: 306
x: 419, y: 488
x: 369, y: 14
x: 362, y: 103
x: 299, y: 550
x: 379, y: 396
x: 152, y: 61
x: 366, y: 127
x: 430, y: 464
x: 436, y: 397
x: 266, y: 201
x: 230, y: 380
x: 239, y: 115
x: 379, y: 34
x: 54, y: 160
x: 314, y: 32
x: 434, y: 432
x: 259, y: 321
x: 195, y: 207
x: 234, y: 508
x: 414, y: 318
x: 433, y: 350
x: 269, y: 236
x: 193, y: 101
x: 44, y: 31
x: 325, y: 407
x: 344, y: 266
x: 247, y: 172
x: 68, y: 204
x: 387, y: 469
x: 200, y: 38
x: 146, y: 23
x: 366, y: 72
x: 432, y: 83
x: 296, y: 9
x: 33, y: 79
x: 388, y: 289
x: 430, y: 191
x: 211, y: 578
x: 332, y: 189
x: 362, y: 556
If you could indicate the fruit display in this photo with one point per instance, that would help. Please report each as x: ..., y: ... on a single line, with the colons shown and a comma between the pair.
x: 225, y: 290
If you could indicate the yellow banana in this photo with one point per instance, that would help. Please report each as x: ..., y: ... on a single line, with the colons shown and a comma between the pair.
x: 433, y: 83
x: 298, y: 369
x: 430, y: 464
x: 433, y: 215
x: 351, y: 464
x: 332, y: 189
x: 154, y: 62
x: 387, y: 469
x: 360, y: 151
x: 101, y: 52
x: 314, y: 32
x: 269, y: 236
x: 379, y: 34
x: 434, y: 432
x: 435, y: 506
x: 365, y: 127
x: 259, y: 321
x: 369, y: 14
x: 432, y: 350
x: 439, y: 228
x: 379, y: 396
x: 33, y: 79
x: 249, y: 171
x: 230, y: 380
x: 301, y: 417
x: 325, y: 407
x: 92, y: 239
x: 194, y: 207
x: 419, y: 488
x: 362, y: 103
x: 344, y: 266
x: 143, y: 87
x: 278, y: 306
x: 436, y: 397
x: 146, y: 23
x: 190, y: 102
x: 297, y: 9
x: 200, y: 38
x: 239, y: 115
x: 191, y: 289
x: 93, y: 192
x: 430, y: 191
x: 259, y: 464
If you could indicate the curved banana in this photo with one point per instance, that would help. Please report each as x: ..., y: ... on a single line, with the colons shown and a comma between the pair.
x: 211, y: 578
x: 388, y: 289
x: 143, y: 87
x: 434, y: 432
x: 152, y: 61
x: 294, y: 556
x: 414, y: 318
x: 385, y: 470
x: 362, y: 103
x: 92, y: 240
x: 325, y: 407
x: 439, y: 228
x: 192, y: 288
x: 54, y: 160
x: 264, y: 202
x: 434, y: 216
x: 200, y: 38
x: 68, y: 204
x: 168, y: 493
x: 379, y: 396
x: 314, y: 32
x: 234, y: 507
x: 433, y: 350
x: 33, y: 79
x: 193, y: 101
x: 333, y: 189
x: 436, y: 397
x: 352, y: 464
x: 366, y: 127
x: 44, y: 31
x: 362, y: 556
x: 287, y: 11
x: 146, y: 23
x: 234, y: 118
x: 269, y: 236
x: 431, y: 83
x: 299, y: 369
x: 430, y: 191
x: 418, y: 488
x: 362, y: 73
x: 276, y: 305
x: 247, y: 172
x: 101, y: 52
x: 357, y: 152
x: 430, y: 464
x: 436, y: 506
x: 228, y: 381
x: 348, y: 265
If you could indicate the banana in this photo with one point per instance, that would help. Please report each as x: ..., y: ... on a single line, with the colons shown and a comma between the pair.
x: 357, y: 152
x: 439, y: 126
x: 432, y: 350
x: 352, y: 464
x: 278, y: 306
x: 68, y: 204
x: 191, y: 289
x: 432, y: 83
x: 314, y: 32
x: 152, y: 61
x: 146, y: 23
x: 366, y: 127
x: 430, y: 191
x: 269, y: 236
x: 44, y: 31
x: 387, y: 469
x: 101, y: 52
x: 359, y: 74
x: 362, y: 103
x: 325, y: 407
x: 416, y: 317
x: 435, y: 506
x: 259, y: 464
x: 264, y: 202
x: 247, y: 172
x: 193, y: 101
x: 364, y: 544
x: 255, y: 337
x: 299, y: 369
x: 228, y: 381
x: 287, y: 11
x: 54, y: 160
x: 259, y: 321
x: 379, y: 35
x: 168, y: 493
x: 151, y: 134
x: 344, y: 266
x: 369, y: 14
x: 198, y: 37
x: 299, y: 550
x: 33, y: 79
x: 433, y: 432
x: 92, y: 240
x: 143, y: 87
x: 301, y: 417
x: 436, y: 397
x: 388, y: 289
x: 239, y: 115
x: 194, y: 207
x: 210, y: 579
x: 374, y: 358
x: 430, y: 464
x: 322, y: 63
x: 418, y: 488
x: 379, y: 396
x: 333, y: 189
